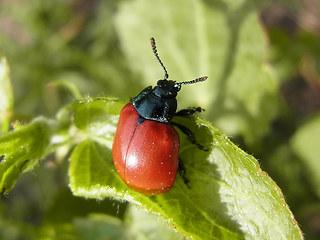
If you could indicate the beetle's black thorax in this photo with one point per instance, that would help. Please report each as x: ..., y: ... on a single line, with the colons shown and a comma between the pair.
x: 158, y: 103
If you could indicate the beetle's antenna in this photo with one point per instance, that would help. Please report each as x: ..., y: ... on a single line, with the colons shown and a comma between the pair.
x: 200, y: 79
x: 154, y: 49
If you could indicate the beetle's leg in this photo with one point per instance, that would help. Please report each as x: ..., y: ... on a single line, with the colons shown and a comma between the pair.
x: 189, y: 111
x: 190, y: 136
x: 140, y: 120
x: 182, y: 171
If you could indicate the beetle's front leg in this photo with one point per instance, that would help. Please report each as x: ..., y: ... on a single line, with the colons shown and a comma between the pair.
x: 190, y: 136
x: 188, y: 111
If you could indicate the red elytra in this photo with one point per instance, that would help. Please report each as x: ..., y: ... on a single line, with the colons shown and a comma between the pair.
x: 145, y: 155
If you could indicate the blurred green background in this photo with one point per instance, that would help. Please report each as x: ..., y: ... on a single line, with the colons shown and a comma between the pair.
x: 263, y: 63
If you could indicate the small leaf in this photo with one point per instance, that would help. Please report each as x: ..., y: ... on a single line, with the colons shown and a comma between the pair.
x: 6, y: 97
x: 67, y: 84
x: 21, y: 151
x: 91, y: 171
x: 99, y: 226
x: 97, y: 117
x: 305, y: 144
x: 140, y: 222
x: 65, y: 207
x: 230, y: 196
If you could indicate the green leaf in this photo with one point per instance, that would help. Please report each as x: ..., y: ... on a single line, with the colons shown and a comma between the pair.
x: 230, y: 196
x: 21, y: 151
x: 150, y: 226
x: 136, y: 223
x: 99, y: 226
x: 220, y: 39
x: 93, y: 227
x: 65, y: 207
x: 305, y: 144
x: 6, y: 97
x: 97, y: 117
x: 69, y: 85
x: 91, y: 171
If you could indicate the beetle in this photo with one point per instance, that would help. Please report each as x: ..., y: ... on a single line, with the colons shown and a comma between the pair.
x: 145, y: 149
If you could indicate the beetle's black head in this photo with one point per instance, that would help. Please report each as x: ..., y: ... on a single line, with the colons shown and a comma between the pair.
x: 160, y: 103
x: 166, y: 89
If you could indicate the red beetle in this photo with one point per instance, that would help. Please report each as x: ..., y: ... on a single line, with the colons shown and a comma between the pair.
x: 146, y: 145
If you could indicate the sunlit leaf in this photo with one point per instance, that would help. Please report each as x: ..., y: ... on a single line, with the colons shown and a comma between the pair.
x: 230, y: 196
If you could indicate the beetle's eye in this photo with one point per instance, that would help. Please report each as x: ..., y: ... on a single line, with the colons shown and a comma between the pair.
x: 160, y: 83
x: 178, y: 87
